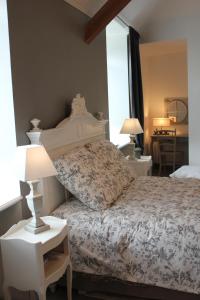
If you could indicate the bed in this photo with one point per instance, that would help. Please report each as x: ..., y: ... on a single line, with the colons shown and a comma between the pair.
x: 149, y: 236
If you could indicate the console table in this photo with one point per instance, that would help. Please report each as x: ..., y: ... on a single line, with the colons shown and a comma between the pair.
x: 181, y: 145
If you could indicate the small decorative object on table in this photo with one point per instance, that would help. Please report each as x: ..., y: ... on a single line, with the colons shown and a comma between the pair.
x: 131, y: 126
x: 33, y: 163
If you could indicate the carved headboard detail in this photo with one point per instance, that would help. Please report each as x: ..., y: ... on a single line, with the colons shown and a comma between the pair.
x: 79, y: 128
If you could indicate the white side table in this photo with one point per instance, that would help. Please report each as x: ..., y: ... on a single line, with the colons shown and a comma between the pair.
x: 32, y: 262
x: 142, y: 166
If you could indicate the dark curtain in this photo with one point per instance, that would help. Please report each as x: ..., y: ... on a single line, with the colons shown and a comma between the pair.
x: 135, y: 82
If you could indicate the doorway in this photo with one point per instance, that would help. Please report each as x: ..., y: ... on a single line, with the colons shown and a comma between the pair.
x: 165, y: 78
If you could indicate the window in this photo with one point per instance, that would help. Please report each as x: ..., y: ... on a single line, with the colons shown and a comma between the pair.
x: 9, y: 183
x: 118, y: 83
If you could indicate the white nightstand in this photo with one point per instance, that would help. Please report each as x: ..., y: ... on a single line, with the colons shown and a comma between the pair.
x: 32, y: 262
x: 142, y: 166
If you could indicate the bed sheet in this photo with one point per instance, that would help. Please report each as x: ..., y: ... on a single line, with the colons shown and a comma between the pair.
x: 150, y: 235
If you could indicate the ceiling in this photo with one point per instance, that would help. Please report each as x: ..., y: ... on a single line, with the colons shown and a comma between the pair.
x: 140, y: 13
x: 88, y: 7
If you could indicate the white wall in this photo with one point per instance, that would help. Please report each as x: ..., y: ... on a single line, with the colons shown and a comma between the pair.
x: 164, y: 76
x: 118, y: 89
x: 7, y: 120
x: 9, y: 185
x: 8, y: 217
x: 180, y: 19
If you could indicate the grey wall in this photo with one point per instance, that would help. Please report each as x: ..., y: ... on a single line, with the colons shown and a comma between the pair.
x: 50, y: 64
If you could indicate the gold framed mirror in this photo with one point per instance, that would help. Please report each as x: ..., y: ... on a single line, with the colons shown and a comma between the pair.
x: 177, y: 110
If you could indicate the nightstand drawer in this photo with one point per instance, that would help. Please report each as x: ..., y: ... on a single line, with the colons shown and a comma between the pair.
x: 54, y: 242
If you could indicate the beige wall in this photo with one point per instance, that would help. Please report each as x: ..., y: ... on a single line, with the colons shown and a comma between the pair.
x: 164, y: 76
x: 146, y: 96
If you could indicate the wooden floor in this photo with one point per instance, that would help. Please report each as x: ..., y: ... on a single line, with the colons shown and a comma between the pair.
x: 60, y: 294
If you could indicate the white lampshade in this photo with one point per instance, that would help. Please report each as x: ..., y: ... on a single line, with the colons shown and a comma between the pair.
x: 33, y: 163
x: 131, y: 126
x: 161, y: 122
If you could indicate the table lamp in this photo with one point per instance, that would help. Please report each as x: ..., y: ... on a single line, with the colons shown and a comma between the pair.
x: 160, y: 122
x: 33, y: 163
x: 131, y: 126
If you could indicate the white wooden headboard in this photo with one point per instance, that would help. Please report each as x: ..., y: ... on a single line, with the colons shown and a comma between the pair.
x: 75, y: 131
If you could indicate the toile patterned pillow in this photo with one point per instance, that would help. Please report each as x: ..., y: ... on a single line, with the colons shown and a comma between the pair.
x: 104, y: 149
x: 114, y: 159
x: 95, y: 180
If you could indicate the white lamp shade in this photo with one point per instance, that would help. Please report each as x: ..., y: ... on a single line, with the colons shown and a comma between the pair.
x: 33, y: 163
x: 131, y: 126
x: 161, y: 122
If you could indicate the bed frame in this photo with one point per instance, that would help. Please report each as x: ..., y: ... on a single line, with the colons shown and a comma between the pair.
x: 75, y: 131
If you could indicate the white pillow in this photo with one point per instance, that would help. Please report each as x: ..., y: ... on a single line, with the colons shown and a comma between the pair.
x: 187, y: 172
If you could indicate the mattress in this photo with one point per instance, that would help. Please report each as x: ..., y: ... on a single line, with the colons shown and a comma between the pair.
x: 150, y: 235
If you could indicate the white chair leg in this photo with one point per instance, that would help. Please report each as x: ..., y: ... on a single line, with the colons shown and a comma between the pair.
x: 6, y: 292
x: 42, y: 295
x: 69, y: 282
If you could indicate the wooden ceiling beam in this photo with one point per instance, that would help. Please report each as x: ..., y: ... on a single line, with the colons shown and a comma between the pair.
x: 103, y: 17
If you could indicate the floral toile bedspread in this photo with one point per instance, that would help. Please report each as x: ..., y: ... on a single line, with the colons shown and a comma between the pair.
x: 150, y: 235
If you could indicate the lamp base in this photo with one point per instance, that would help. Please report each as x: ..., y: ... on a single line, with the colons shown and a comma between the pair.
x: 132, y: 147
x: 31, y: 228
x: 34, y: 201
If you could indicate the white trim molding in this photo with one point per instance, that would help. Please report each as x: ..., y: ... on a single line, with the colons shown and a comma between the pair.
x: 10, y: 203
